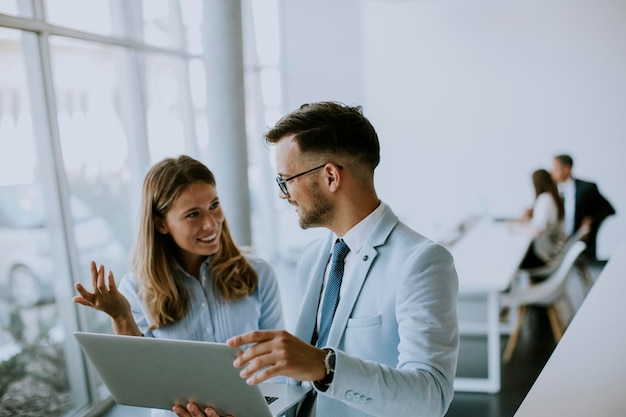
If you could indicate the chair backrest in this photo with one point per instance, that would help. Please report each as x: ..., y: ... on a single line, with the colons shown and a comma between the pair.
x: 580, y: 234
x: 547, y: 291
x: 554, y: 263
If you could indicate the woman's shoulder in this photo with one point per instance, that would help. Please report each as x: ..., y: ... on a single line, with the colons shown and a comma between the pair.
x: 128, y: 281
x: 545, y: 198
x: 259, y: 264
x: 129, y: 286
x: 263, y: 268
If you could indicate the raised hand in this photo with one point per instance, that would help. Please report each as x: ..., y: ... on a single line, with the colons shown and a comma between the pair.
x: 105, y: 297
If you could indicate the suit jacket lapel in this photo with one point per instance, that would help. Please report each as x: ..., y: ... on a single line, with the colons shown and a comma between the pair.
x: 346, y: 303
x: 314, y: 270
x: 368, y: 253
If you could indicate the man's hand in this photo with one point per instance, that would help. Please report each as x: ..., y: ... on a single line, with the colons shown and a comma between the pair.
x: 528, y: 213
x: 275, y: 353
x: 587, y: 221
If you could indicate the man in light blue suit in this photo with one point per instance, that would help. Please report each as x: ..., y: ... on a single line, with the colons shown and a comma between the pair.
x: 392, y: 346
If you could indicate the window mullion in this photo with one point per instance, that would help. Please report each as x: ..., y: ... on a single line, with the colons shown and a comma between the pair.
x: 56, y: 195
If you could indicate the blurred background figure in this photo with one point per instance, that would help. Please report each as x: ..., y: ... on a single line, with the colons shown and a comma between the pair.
x: 546, y: 220
x: 584, y: 205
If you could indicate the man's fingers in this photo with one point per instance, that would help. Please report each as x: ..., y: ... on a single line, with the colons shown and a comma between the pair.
x: 256, y: 377
x: 254, y: 352
x: 257, y: 336
x: 255, y: 364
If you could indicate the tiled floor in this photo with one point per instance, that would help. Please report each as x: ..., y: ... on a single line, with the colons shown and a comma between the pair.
x: 534, y: 348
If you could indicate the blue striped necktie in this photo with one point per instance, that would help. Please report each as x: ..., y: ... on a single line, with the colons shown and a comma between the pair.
x: 331, y: 293
x: 329, y: 305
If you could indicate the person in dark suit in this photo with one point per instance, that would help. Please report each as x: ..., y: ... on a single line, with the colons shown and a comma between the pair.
x: 583, y: 202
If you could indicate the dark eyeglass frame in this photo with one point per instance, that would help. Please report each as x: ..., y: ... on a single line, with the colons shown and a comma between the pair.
x: 282, y: 182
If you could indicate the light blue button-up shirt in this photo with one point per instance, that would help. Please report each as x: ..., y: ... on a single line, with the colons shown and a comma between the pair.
x: 211, y: 318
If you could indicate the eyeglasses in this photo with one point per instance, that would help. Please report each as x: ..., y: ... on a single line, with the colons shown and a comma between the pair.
x: 282, y: 181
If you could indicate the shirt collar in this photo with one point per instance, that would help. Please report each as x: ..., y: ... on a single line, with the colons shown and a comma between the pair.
x: 203, y: 268
x: 566, y: 186
x: 356, y: 237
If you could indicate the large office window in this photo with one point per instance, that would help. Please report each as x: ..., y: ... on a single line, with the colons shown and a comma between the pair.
x: 168, y: 105
x: 9, y: 7
x: 94, y: 145
x: 95, y: 16
x: 91, y: 94
x: 32, y: 361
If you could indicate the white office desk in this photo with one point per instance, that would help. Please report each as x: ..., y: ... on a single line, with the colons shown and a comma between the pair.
x: 586, y: 374
x: 487, y: 258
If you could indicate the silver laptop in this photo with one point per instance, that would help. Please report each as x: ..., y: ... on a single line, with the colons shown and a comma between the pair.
x: 158, y: 373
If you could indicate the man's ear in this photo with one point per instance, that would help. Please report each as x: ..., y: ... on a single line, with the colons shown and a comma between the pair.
x: 160, y: 225
x: 333, y: 177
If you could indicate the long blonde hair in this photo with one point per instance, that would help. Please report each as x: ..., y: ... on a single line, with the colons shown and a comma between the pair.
x: 153, y: 261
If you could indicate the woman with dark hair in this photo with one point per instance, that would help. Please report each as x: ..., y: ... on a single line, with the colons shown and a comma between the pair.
x: 189, y: 279
x: 545, y: 221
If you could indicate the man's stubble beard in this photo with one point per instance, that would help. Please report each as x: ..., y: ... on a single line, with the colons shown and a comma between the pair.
x: 321, y: 211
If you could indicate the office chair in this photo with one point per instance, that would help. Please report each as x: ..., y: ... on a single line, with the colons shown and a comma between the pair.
x: 550, y: 267
x: 542, y: 272
x: 546, y: 293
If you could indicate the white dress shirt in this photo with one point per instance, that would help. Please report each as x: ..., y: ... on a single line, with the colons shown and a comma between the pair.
x: 354, y: 238
x: 567, y: 189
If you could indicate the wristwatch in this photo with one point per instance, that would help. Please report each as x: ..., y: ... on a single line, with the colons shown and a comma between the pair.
x: 329, y: 364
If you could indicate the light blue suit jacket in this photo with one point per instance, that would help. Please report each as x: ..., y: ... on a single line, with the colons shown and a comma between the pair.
x: 395, y: 330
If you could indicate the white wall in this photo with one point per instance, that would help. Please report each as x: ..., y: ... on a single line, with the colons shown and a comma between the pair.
x: 470, y: 97
x: 321, y: 51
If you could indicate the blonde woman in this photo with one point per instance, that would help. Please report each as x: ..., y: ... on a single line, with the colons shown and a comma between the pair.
x: 189, y: 279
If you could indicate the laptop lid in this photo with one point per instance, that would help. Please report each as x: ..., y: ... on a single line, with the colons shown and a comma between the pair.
x: 158, y: 373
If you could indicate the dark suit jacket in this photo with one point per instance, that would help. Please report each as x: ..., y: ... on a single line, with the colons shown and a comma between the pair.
x: 589, y: 202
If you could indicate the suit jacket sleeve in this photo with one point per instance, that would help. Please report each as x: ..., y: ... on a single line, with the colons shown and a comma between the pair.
x: 592, y: 203
x: 421, y: 382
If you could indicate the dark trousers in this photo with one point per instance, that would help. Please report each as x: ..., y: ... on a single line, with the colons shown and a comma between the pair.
x: 531, y: 260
